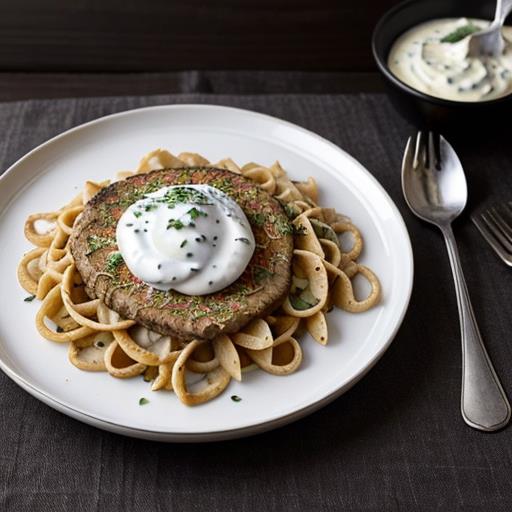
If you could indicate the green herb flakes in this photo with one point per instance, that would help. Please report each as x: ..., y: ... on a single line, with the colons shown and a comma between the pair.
x: 175, y: 223
x: 236, y: 398
x: 113, y: 262
x: 30, y: 298
x: 260, y: 274
x: 195, y: 213
x: 95, y: 242
x: 143, y: 401
x: 460, y: 33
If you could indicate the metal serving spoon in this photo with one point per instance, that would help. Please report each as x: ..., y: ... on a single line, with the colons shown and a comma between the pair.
x: 435, y: 189
x: 490, y: 42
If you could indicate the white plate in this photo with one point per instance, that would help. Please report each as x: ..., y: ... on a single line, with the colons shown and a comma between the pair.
x: 51, y: 174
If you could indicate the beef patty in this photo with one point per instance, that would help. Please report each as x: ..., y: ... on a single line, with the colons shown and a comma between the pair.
x: 260, y: 289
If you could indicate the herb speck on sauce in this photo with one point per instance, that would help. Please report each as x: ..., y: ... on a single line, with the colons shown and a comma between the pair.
x: 143, y: 401
x: 175, y: 223
x: 183, y: 244
x: 30, y: 298
x: 190, y: 254
x: 236, y: 398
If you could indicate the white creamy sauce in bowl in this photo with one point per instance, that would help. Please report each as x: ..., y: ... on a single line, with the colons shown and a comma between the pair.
x: 193, y: 239
x: 433, y: 58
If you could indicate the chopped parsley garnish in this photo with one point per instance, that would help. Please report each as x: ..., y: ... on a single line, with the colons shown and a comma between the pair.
x: 143, y: 401
x: 137, y: 214
x: 243, y: 240
x: 195, y: 213
x: 30, y: 298
x: 260, y: 274
x: 236, y: 398
x: 460, y: 33
x: 150, y: 207
x: 291, y: 210
x: 257, y: 219
x: 113, y: 262
x: 184, y: 195
x: 175, y: 223
x: 183, y: 244
x: 95, y: 242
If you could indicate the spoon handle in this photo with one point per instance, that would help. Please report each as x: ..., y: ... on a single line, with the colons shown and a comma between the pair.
x: 484, y: 405
x: 502, y: 9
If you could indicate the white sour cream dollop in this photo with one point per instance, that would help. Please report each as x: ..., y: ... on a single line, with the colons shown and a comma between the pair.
x: 444, y: 69
x: 190, y: 238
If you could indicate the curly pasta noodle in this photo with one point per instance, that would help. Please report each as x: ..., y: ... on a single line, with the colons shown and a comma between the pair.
x: 99, y: 340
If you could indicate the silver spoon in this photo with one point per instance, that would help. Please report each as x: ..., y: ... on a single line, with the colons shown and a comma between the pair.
x: 490, y: 42
x: 435, y: 189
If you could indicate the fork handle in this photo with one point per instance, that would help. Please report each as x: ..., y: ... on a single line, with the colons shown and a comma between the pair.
x: 484, y: 405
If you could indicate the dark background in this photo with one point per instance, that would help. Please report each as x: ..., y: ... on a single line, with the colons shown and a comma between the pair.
x: 58, y: 48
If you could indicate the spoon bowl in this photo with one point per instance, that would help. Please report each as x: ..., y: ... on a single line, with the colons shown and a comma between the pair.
x: 435, y: 189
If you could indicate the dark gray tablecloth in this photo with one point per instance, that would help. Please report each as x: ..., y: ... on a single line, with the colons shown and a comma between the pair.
x: 396, y: 440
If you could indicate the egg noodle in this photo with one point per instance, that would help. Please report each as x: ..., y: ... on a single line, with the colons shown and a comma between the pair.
x: 99, y: 340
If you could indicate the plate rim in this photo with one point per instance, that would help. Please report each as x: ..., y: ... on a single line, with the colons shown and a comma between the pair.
x: 255, y: 428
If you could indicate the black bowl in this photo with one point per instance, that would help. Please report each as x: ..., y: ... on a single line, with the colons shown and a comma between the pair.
x: 422, y: 109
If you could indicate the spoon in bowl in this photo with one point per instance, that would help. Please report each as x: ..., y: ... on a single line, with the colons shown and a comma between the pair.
x: 490, y: 42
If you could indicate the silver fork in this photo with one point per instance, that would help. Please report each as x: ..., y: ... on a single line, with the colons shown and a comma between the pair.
x: 495, y: 225
x: 435, y: 189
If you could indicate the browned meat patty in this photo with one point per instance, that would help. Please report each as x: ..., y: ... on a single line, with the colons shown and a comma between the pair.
x: 259, y: 290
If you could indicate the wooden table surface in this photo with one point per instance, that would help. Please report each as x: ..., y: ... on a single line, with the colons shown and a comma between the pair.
x: 59, y: 48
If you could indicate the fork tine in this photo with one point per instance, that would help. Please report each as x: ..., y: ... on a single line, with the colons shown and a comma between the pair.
x: 431, y: 154
x: 408, y: 159
x: 419, y: 151
x: 491, y: 224
x: 500, y: 220
x: 491, y: 240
